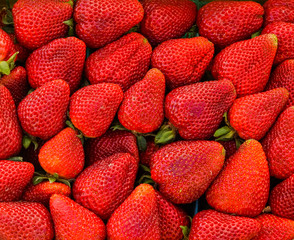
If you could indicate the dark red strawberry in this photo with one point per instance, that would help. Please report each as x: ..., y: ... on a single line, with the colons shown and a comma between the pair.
x: 230, y: 147
x: 146, y: 156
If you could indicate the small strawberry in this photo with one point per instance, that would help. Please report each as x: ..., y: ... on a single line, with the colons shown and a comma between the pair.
x: 6, y: 45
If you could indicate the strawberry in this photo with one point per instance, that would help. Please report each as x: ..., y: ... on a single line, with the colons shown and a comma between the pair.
x: 248, y: 168
x: 92, y: 108
x: 284, y: 31
x: 210, y: 224
x: 151, y: 148
x: 227, y: 22
x: 60, y: 59
x: 6, y: 45
x: 242, y: 62
x: 37, y: 23
x: 43, y: 112
x: 23, y: 53
x: 73, y: 222
x: 25, y: 221
x: 123, y: 62
x: 279, y: 147
x: 101, y: 22
x: 182, y: 61
x: 142, y: 107
x: 103, y: 186
x: 63, y: 154
x: 167, y: 19
x: 10, y: 131
x: 183, y: 170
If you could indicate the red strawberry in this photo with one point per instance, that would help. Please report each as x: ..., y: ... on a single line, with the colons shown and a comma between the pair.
x: 92, y: 108
x: 73, y: 222
x: 63, y: 154
x: 10, y: 131
x: 146, y: 156
x: 242, y: 62
x: 101, y: 22
x: 210, y: 224
x: 23, y: 53
x: 43, y: 112
x: 182, y: 61
x: 38, y: 22
x: 25, y: 221
x: 247, y: 168
x: 184, y: 169
x: 6, y: 45
x: 60, y: 59
x: 142, y: 107
x: 123, y: 62
x: 103, y: 186
x: 227, y: 22
x: 167, y: 19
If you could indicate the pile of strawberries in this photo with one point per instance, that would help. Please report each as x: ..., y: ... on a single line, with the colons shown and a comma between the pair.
x: 115, y: 131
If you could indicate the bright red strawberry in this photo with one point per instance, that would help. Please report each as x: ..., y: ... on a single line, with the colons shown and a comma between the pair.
x: 60, y: 59
x: 227, y: 22
x: 37, y: 23
x: 230, y: 147
x: 183, y: 170
x: 92, y: 108
x: 146, y: 156
x: 103, y: 186
x: 74, y: 222
x: 23, y: 53
x: 10, y: 131
x: 248, y: 168
x: 123, y: 62
x: 278, y: 145
x: 43, y: 112
x: 242, y: 62
x: 101, y: 22
x: 25, y: 221
x: 182, y: 61
x: 142, y: 107
x: 63, y: 154
x: 6, y: 45
x: 167, y: 19
x: 210, y: 224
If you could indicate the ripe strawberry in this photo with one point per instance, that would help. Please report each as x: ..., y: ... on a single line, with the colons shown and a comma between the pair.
x: 63, y: 154
x: 248, y: 168
x: 210, y: 224
x: 60, y: 59
x: 167, y: 19
x: 37, y: 23
x: 227, y: 22
x: 101, y: 22
x: 6, y: 45
x: 123, y: 62
x: 146, y: 156
x: 25, y: 221
x: 10, y: 131
x: 73, y: 222
x: 242, y: 62
x: 92, y: 108
x: 43, y: 112
x: 182, y: 61
x: 23, y: 53
x: 183, y: 170
x: 103, y: 186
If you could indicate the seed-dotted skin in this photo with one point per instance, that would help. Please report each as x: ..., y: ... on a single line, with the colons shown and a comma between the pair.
x: 101, y: 22
x: 197, y: 110
x: 247, y: 63
x: 92, y: 108
x: 210, y: 224
x: 182, y: 61
x: 124, y: 62
x: 43, y: 112
x: 25, y: 221
x: 253, y: 115
x: 183, y: 170
x: 6, y: 45
x: 242, y: 187
x: 278, y: 145
x: 227, y: 22
x: 62, y: 58
x: 103, y: 186
x: 278, y: 10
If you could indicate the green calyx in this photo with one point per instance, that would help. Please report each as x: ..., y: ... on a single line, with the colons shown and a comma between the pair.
x: 16, y: 159
x: 28, y: 139
x: 70, y: 24
x: 193, y: 32
x: 185, y: 231
x: 146, y: 177
x: 71, y: 3
x: 166, y: 134
x: 7, y: 66
x: 38, y: 178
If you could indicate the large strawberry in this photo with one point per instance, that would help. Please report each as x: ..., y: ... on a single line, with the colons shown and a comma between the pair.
x: 123, y: 62
x: 60, y: 59
x: 182, y: 61
x: 101, y: 22
x: 242, y: 62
